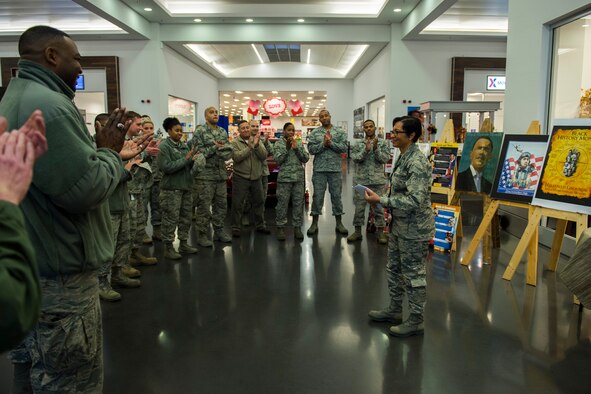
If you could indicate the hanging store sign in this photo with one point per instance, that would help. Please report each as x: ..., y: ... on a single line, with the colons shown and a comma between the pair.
x: 495, y: 82
x: 275, y: 106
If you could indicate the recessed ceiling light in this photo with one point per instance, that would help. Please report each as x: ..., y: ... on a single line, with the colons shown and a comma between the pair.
x: 196, y: 20
x: 226, y: 102
x: 397, y: 9
x: 274, y: 92
x: 250, y: 20
x: 259, y: 95
x: 309, y: 52
x: 238, y: 91
x: 246, y: 98
x: 147, y: 9
x: 294, y: 95
x: 301, y: 20
x: 226, y: 95
x: 585, y: 25
x: 310, y: 92
x: 236, y: 100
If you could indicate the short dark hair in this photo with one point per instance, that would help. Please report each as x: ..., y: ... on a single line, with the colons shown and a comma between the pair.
x: 37, y: 38
x: 131, y: 115
x: 396, y: 120
x: 415, y: 111
x: 169, y: 123
x: 484, y: 137
x: 287, y: 124
x: 101, y: 118
x: 242, y: 121
x: 410, y: 124
x: 369, y: 120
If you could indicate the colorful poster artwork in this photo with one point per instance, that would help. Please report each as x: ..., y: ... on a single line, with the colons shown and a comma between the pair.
x: 358, y: 118
x: 443, y: 159
x: 565, y: 182
x: 520, y: 167
x: 479, y: 162
x: 446, y: 222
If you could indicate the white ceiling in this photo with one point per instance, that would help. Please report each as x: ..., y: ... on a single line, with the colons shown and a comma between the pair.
x: 342, y: 36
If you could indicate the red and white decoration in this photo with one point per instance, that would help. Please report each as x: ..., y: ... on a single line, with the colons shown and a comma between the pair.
x: 253, y: 107
x: 275, y: 106
x: 295, y: 106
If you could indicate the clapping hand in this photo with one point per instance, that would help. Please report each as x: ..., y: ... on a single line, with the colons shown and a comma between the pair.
x: 34, y: 129
x: 17, y: 157
x: 134, y: 147
x: 112, y: 135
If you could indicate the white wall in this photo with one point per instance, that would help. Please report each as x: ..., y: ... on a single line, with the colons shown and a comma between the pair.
x: 371, y: 82
x: 339, y: 100
x: 528, y: 54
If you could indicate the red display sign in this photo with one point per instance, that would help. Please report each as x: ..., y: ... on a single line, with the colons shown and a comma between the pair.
x: 266, y: 122
x: 275, y: 106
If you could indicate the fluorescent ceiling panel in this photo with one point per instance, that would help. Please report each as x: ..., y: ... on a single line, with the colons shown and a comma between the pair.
x: 352, y: 8
x: 468, y: 24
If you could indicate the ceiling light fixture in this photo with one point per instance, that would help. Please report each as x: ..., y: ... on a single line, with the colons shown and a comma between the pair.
x: 294, y: 95
x: 259, y: 95
x: 196, y: 20
x: 257, y: 52
x: 249, y: 20
x: 147, y: 9
x: 246, y: 98
x: 274, y: 92
x: 397, y: 9
x: 301, y: 20
x: 310, y: 92
x: 309, y: 52
x: 238, y: 91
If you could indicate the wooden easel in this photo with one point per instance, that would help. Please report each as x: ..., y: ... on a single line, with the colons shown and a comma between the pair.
x: 490, y: 213
x: 530, y: 237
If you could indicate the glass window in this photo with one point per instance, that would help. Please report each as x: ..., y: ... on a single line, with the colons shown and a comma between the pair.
x: 570, y: 89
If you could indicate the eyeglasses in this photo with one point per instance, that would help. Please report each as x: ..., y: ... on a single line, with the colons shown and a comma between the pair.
x: 397, y: 132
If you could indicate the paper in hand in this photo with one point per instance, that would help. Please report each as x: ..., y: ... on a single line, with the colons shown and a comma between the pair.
x: 361, y: 190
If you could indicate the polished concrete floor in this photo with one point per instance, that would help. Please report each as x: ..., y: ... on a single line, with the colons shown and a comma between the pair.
x: 260, y: 316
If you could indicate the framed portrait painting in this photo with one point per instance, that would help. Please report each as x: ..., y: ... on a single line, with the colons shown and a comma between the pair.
x: 520, y: 167
x: 480, y: 156
x: 565, y: 182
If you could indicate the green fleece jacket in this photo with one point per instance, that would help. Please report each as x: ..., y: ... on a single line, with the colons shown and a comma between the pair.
x: 176, y: 170
x: 65, y: 211
x: 20, y: 295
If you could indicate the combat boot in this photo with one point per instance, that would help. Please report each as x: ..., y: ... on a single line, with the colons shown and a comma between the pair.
x: 146, y: 239
x: 184, y: 248
x: 314, y: 227
x: 339, y: 227
x: 121, y: 280
x: 356, y: 236
x: 106, y: 292
x: 392, y: 314
x: 203, y: 240
x: 220, y: 235
x: 157, y: 233
x: 297, y: 233
x: 280, y: 234
x: 413, y: 326
x: 170, y: 253
x: 130, y: 272
x: 382, y: 236
x: 140, y: 259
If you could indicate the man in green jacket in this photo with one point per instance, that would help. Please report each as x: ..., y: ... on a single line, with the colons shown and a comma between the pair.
x: 20, y: 295
x: 66, y: 216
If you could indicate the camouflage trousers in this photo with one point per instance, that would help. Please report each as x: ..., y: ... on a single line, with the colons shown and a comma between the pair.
x: 176, y: 211
x: 406, y: 273
x: 64, y: 352
x: 361, y: 204
x: 335, y: 186
x: 137, y: 219
x: 120, y: 224
x: 293, y: 191
x: 152, y: 197
x: 246, y: 211
x: 241, y: 188
x: 212, y: 204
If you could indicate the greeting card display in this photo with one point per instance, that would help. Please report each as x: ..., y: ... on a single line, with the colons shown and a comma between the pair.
x: 520, y: 167
x: 565, y: 183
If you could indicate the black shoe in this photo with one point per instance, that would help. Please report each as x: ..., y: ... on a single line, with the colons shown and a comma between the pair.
x: 235, y: 233
x: 263, y: 230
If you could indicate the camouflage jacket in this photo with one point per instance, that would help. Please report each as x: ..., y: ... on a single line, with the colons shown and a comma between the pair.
x: 409, y: 197
x: 369, y: 166
x: 290, y: 161
x: 141, y: 179
x: 327, y: 159
x: 215, y: 158
x: 265, y: 166
x: 153, y: 162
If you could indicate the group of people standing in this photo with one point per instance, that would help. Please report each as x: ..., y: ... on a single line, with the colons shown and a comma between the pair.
x: 82, y: 219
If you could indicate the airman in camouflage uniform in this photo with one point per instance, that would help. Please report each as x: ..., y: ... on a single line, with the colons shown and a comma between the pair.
x: 210, y: 183
x: 141, y: 176
x: 176, y: 161
x: 369, y: 156
x: 291, y: 155
x: 152, y: 188
x: 412, y: 226
x: 327, y: 143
